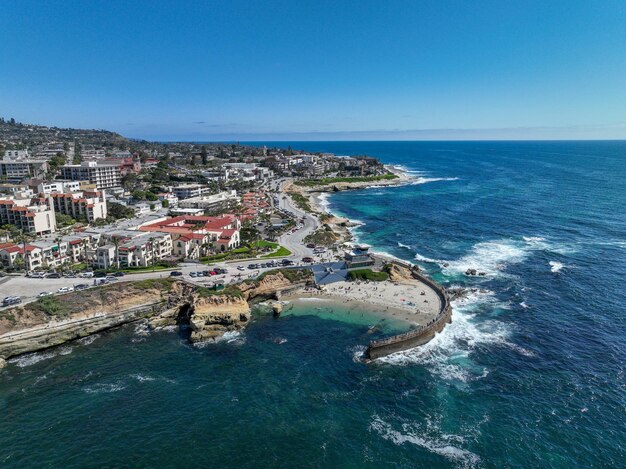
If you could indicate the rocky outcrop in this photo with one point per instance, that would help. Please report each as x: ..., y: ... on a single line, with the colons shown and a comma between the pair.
x: 214, y: 315
x: 270, y: 286
x: 399, y: 273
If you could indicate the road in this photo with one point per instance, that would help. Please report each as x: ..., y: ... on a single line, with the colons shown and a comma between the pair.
x: 28, y: 289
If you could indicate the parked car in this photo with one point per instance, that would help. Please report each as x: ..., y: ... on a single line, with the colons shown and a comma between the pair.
x: 86, y: 275
x: 81, y: 286
x: 118, y: 274
x: 100, y: 274
x: 54, y: 275
x: 11, y: 300
x: 37, y: 275
x: 175, y: 273
x: 307, y: 259
x: 65, y: 289
x: 286, y: 262
x: 241, y: 267
x: 110, y: 278
x: 100, y: 281
x: 44, y: 293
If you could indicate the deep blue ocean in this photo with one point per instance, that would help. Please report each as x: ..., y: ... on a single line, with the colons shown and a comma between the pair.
x: 529, y: 374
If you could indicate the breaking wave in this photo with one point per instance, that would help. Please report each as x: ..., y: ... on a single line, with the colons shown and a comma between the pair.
x: 425, y: 180
x: 555, y: 266
x: 430, y: 438
x: 448, y: 354
x: 35, y: 357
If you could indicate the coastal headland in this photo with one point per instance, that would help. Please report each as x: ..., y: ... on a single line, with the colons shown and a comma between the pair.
x: 405, y: 296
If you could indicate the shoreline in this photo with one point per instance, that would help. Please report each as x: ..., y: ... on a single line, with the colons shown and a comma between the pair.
x: 409, y: 302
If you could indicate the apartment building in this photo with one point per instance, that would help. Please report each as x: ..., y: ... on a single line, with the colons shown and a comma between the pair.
x: 87, y: 205
x: 16, y: 165
x: 140, y: 249
x: 31, y: 215
x: 216, y: 202
x: 186, y: 191
x: 104, y: 176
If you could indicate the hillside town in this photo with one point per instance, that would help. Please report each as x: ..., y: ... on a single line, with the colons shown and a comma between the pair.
x: 92, y: 203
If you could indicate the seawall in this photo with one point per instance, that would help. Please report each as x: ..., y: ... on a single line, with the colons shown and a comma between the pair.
x: 419, y: 336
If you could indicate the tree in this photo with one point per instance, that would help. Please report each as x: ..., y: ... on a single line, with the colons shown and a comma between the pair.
x: 117, y: 211
x: 151, y: 196
x: 165, y: 203
x: 116, y: 243
x: 204, y: 156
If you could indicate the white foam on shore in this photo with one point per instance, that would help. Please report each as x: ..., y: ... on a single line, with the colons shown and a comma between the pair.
x: 35, y: 357
x: 430, y: 438
x: 90, y: 339
x: 230, y: 337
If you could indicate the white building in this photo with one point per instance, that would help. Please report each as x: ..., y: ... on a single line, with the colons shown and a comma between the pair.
x: 17, y: 166
x: 47, y: 187
x: 103, y: 176
x: 220, y: 201
x: 88, y: 205
x: 34, y: 215
x: 185, y: 191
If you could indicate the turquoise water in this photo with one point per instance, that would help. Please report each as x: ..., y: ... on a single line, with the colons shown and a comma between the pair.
x: 529, y: 374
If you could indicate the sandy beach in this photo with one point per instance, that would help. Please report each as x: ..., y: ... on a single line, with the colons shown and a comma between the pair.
x: 410, y: 301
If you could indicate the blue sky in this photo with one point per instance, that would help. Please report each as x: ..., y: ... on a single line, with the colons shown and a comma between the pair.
x: 318, y: 70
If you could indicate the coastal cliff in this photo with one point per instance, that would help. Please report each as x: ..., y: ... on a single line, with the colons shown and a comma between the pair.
x: 54, y: 320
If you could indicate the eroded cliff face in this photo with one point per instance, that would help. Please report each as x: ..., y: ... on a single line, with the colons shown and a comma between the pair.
x: 36, y: 326
x: 267, y: 286
x: 214, y: 315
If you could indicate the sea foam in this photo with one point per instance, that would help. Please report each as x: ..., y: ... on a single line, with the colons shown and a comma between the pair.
x: 429, y: 438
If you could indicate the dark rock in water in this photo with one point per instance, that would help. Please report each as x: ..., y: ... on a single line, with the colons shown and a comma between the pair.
x: 470, y: 272
x: 445, y: 264
x: 336, y: 189
x: 279, y: 340
x: 482, y: 273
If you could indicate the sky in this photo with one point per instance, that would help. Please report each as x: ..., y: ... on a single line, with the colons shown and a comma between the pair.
x: 318, y: 70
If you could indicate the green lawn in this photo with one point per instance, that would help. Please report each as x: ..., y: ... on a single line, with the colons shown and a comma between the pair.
x: 281, y: 252
x: 368, y: 274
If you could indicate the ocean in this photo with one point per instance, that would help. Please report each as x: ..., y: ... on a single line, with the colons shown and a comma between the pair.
x: 529, y: 374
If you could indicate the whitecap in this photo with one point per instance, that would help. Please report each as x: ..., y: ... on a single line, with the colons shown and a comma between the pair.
x: 141, y: 378
x: 428, y: 438
x: 425, y: 180
x: 555, y: 266
x: 491, y: 257
x: 105, y: 388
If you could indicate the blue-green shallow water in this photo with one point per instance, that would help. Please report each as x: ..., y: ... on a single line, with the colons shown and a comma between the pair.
x: 530, y: 373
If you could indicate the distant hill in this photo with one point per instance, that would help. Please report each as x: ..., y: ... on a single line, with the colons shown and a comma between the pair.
x: 16, y: 133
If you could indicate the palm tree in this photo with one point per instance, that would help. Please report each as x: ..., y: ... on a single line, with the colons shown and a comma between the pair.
x: 23, y: 237
x: 116, y: 243
x: 85, y: 245
x: 58, y: 240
